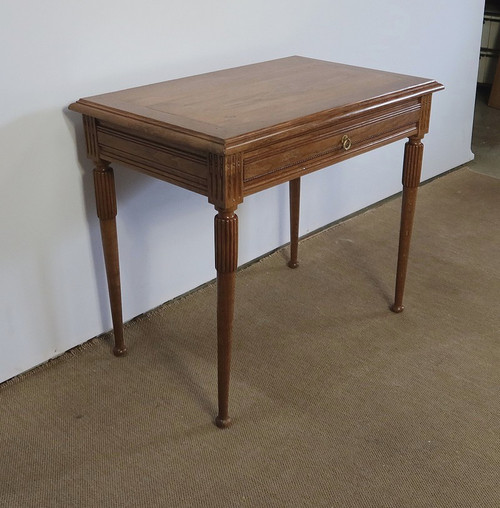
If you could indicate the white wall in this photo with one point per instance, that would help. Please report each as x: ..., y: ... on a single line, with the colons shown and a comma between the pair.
x: 52, y: 283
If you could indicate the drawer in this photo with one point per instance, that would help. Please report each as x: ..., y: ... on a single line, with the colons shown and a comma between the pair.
x: 324, y: 146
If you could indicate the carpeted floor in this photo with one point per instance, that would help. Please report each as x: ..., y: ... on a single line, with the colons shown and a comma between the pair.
x: 336, y: 401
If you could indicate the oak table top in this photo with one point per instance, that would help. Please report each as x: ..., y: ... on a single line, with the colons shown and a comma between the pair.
x: 225, y: 106
x: 230, y: 133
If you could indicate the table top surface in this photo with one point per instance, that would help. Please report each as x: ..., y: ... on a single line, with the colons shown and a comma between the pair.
x: 233, y: 102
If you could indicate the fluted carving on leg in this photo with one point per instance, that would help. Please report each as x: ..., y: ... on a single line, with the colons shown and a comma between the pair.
x: 414, y: 150
x: 104, y: 184
x: 226, y: 242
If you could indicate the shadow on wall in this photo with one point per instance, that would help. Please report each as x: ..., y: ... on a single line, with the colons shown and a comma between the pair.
x: 75, y: 124
x: 149, y: 212
x: 40, y: 291
x: 53, y: 291
x: 166, y: 233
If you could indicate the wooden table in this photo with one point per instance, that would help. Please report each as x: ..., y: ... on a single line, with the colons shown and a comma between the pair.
x: 231, y: 133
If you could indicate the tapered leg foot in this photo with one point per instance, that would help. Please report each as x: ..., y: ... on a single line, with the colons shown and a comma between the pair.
x: 106, y: 211
x: 223, y: 423
x: 120, y: 351
x: 411, y: 178
x: 397, y: 308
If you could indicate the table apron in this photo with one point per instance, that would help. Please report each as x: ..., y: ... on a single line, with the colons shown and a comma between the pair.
x: 264, y: 165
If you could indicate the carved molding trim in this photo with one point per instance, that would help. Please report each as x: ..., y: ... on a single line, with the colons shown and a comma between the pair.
x: 226, y: 242
x: 172, y: 164
x: 105, y: 196
x: 425, y: 115
x: 412, y: 167
x: 90, y: 128
x: 225, y: 182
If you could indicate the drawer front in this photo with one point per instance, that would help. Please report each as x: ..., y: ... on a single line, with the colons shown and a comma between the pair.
x: 322, y: 147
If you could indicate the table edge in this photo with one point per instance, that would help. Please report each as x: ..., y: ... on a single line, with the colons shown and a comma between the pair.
x: 221, y: 145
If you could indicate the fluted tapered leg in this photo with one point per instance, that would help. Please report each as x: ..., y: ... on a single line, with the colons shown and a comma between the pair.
x: 412, y: 168
x: 294, y: 190
x: 106, y: 211
x: 226, y: 262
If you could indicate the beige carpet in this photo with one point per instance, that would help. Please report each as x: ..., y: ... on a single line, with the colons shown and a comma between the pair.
x: 336, y: 401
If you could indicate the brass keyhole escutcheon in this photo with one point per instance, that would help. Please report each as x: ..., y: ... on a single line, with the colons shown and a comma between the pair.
x: 346, y: 142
